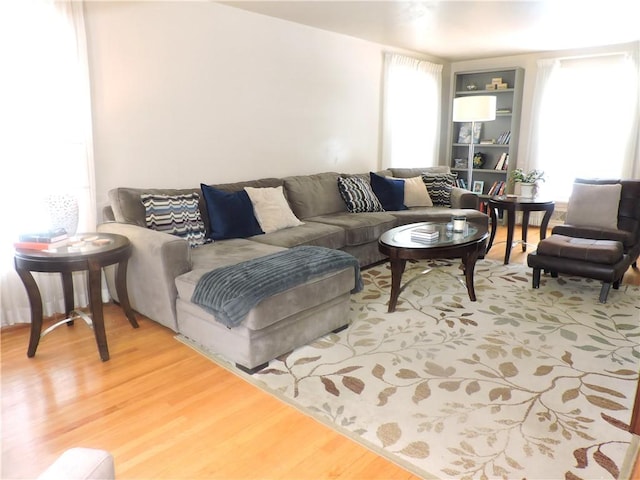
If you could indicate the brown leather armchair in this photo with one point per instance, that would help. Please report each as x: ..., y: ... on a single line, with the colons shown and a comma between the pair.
x: 628, y: 231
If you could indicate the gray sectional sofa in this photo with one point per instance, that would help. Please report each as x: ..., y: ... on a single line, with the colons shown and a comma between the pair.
x: 163, y: 270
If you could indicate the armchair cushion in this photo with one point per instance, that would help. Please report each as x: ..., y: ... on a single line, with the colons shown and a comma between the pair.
x: 594, y: 205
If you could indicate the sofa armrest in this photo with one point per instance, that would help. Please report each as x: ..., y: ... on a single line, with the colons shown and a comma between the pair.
x: 463, y: 198
x: 156, y: 260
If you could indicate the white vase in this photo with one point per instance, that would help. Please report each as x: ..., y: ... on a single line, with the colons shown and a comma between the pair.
x: 63, y: 212
x: 528, y: 190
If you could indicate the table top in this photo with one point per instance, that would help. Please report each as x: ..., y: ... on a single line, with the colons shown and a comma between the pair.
x: 400, y: 237
x: 515, y: 200
x: 81, y: 245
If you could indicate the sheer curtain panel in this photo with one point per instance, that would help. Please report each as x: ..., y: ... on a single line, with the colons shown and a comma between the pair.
x: 411, y: 112
x: 46, y: 147
x: 586, y: 117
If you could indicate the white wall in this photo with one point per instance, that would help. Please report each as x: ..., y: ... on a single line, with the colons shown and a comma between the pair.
x: 190, y: 92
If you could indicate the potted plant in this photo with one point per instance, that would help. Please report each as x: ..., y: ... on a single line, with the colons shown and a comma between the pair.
x: 528, y: 181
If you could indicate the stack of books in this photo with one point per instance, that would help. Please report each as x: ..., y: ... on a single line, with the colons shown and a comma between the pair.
x: 425, y: 234
x: 42, y: 240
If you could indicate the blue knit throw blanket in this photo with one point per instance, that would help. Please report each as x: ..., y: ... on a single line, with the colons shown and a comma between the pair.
x: 231, y: 292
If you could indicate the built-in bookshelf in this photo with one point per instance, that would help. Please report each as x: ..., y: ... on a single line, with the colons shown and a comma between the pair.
x: 495, y: 141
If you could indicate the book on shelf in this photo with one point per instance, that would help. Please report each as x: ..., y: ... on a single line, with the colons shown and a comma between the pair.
x: 503, y: 185
x: 24, y: 245
x: 50, y: 236
x: 506, y: 162
x: 500, y: 163
x: 504, y: 138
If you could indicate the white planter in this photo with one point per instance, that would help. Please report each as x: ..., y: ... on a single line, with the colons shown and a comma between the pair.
x: 528, y: 190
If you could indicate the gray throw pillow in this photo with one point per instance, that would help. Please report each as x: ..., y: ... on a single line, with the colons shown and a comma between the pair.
x: 594, y: 205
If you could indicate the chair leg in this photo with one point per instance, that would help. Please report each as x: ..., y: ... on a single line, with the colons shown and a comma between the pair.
x: 535, y: 282
x: 604, y: 291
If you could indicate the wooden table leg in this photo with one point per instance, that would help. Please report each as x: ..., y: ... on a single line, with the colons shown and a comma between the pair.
x: 67, y: 289
x: 95, y: 302
x: 397, y: 269
x: 123, y: 295
x: 545, y: 222
x: 511, y: 221
x: 494, y: 226
x: 469, y: 259
x: 525, y: 227
x: 35, y: 303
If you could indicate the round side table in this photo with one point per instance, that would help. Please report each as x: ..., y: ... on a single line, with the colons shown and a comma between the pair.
x: 524, y: 205
x: 85, y: 252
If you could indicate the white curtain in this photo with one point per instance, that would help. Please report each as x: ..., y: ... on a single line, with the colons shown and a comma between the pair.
x: 411, y: 112
x: 46, y: 145
x: 586, y: 119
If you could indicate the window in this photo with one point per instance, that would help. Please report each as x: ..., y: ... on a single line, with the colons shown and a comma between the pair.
x: 587, y: 122
x: 45, y: 122
x: 411, y: 112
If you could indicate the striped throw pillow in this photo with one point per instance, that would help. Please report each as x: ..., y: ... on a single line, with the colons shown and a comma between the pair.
x: 175, y: 214
x: 358, y: 195
x: 439, y: 186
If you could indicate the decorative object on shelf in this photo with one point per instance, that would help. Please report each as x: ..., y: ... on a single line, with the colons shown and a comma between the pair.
x: 63, y: 212
x: 460, y: 163
x: 479, y: 159
x: 478, y: 186
x: 474, y: 109
x: 528, y: 181
x: 471, y: 87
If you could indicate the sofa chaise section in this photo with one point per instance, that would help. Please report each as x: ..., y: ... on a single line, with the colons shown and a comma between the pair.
x: 163, y: 270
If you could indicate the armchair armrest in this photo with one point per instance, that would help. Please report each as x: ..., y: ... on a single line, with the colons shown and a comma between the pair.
x: 462, y: 198
x: 157, y: 258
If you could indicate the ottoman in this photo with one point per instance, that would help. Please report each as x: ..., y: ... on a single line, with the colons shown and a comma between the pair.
x: 598, y: 259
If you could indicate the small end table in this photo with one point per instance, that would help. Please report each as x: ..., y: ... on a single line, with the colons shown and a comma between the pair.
x: 84, y: 252
x: 524, y: 205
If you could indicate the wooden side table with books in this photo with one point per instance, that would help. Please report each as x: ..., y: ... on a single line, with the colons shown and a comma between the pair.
x: 84, y: 252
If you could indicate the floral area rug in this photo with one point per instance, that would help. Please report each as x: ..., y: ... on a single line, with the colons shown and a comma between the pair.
x: 523, y: 383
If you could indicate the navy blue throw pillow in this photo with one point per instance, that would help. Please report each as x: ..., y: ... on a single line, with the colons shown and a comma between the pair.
x: 230, y: 214
x: 389, y: 191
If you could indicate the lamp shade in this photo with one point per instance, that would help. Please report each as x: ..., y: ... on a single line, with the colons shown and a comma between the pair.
x: 474, y: 108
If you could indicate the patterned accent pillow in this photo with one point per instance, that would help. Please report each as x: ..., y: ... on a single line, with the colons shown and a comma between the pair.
x: 175, y: 214
x: 358, y: 195
x: 439, y: 186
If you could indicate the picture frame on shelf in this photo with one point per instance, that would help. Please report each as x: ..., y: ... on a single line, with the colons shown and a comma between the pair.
x: 460, y: 163
x: 478, y: 185
x: 464, y: 135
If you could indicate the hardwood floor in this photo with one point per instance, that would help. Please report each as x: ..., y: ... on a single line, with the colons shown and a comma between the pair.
x: 165, y: 411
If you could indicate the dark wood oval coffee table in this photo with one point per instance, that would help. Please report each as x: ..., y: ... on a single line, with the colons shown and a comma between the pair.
x: 398, y: 246
x: 84, y: 252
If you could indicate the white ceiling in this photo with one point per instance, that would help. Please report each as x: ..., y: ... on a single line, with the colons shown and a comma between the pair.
x: 461, y: 30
